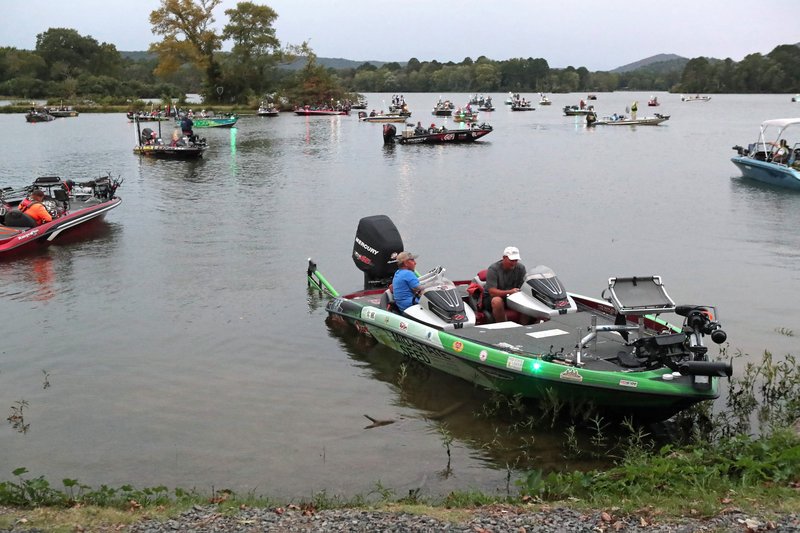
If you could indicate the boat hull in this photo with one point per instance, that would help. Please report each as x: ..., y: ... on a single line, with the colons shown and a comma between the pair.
x: 641, y: 393
x: 13, y: 239
x: 318, y: 112
x: 767, y: 172
x: 161, y: 151
x: 446, y: 137
x: 214, y: 122
x: 638, y: 122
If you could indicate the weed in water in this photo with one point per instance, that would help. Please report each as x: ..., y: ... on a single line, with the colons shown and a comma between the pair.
x: 17, y: 416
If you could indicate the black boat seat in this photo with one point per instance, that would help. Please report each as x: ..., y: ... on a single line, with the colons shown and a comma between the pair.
x: 18, y: 219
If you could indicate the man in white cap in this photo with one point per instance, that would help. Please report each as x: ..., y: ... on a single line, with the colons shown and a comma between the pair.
x: 405, y: 284
x: 503, y: 278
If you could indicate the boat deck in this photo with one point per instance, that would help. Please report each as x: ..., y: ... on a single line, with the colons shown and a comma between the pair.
x: 556, y: 338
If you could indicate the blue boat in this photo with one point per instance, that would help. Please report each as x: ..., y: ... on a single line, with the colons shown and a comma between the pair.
x: 771, y: 159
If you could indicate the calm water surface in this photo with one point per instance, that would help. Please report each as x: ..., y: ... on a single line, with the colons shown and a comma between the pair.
x: 180, y: 344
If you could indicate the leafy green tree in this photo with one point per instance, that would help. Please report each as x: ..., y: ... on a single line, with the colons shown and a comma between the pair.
x: 695, y: 76
x: 188, y: 37
x: 69, y: 54
x: 21, y: 63
x: 256, y: 49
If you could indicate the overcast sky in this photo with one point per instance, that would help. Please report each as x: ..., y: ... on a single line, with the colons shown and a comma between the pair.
x: 599, y: 35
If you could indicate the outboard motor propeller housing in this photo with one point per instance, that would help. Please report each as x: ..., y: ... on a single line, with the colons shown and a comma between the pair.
x: 542, y: 295
x: 376, y: 244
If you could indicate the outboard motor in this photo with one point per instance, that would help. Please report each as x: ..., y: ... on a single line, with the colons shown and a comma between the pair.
x: 542, y: 295
x: 389, y: 133
x: 376, y: 244
x: 147, y: 135
x: 440, y: 304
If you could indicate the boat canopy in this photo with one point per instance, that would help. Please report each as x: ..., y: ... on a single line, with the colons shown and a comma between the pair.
x: 780, y: 123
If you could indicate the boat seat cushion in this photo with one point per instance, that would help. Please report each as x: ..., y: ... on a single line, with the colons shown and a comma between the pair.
x: 18, y: 219
x: 387, y: 300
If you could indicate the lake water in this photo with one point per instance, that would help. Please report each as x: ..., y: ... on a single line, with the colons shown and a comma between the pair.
x: 178, y: 343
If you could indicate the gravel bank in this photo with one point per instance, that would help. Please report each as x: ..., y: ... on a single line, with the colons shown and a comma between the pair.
x: 494, y: 519
x: 491, y: 519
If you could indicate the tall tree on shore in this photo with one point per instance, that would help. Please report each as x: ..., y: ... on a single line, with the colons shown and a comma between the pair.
x: 188, y: 36
x: 256, y: 49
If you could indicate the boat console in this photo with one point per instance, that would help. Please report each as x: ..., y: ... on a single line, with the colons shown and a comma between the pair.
x: 440, y: 303
x: 542, y: 296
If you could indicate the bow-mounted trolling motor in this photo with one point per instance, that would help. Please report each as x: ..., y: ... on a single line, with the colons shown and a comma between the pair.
x: 440, y: 305
x: 636, y: 301
x: 542, y: 295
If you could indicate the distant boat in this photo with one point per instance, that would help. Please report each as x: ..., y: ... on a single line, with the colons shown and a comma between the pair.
x: 215, y: 122
x: 653, y: 102
x: 39, y: 115
x: 61, y: 111
x: 696, y: 98
x: 621, y: 120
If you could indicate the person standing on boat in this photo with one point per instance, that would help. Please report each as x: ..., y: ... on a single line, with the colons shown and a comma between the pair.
x: 504, y: 278
x: 634, y: 109
x: 405, y: 284
x: 186, y: 126
x: 35, y: 209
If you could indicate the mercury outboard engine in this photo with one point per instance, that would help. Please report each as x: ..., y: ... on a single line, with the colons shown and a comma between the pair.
x: 440, y: 304
x: 376, y: 244
x: 389, y: 133
x: 542, y: 295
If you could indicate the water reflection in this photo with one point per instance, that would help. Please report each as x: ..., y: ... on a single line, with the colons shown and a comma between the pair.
x: 501, y: 433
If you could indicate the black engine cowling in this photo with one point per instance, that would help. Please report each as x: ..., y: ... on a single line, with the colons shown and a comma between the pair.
x: 377, y: 240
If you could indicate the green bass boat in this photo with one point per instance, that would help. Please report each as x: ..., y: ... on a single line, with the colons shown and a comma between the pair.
x: 615, y: 353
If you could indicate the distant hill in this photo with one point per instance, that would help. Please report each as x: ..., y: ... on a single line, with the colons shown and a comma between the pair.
x: 327, y: 62
x: 137, y: 56
x: 337, y: 63
x: 657, y: 63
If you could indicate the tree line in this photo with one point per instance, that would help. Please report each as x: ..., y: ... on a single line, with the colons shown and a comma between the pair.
x: 189, y: 59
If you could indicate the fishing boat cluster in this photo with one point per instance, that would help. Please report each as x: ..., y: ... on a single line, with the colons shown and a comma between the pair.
x: 632, y: 350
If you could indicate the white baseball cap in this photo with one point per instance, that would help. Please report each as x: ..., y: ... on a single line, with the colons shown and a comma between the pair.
x: 512, y: 252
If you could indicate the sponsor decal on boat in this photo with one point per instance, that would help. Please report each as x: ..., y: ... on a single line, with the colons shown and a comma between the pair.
x: 483, y: 355
x: 571, y: 374
x: 458, y: 346
x: 403, y: 326
x: 514, y: 363
x: 371, y: 315
x: 28, y: 235
x: 416, y: 350
x: 628, y: 383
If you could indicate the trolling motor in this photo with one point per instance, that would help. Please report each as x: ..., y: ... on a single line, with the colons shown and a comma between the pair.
x: 685, y: 352
x: 700, y: 321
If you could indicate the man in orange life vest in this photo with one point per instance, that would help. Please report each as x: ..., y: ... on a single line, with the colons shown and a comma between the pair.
x: 35, y: 209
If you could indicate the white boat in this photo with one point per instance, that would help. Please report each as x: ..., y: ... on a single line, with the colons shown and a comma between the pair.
x: 544, y: 100
x: 622, y: 120
x: 771, y: 159
x: 696, y: 98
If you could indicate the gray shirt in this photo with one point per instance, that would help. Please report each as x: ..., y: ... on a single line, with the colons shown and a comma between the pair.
x: 499, y: 278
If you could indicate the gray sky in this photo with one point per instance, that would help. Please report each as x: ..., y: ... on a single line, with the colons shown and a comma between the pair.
x: 600, y: 35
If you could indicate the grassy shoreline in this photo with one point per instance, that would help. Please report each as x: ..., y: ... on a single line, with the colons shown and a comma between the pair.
x: 760, y: 476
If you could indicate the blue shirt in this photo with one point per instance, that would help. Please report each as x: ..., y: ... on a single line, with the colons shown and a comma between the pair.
x: 402, y: 286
